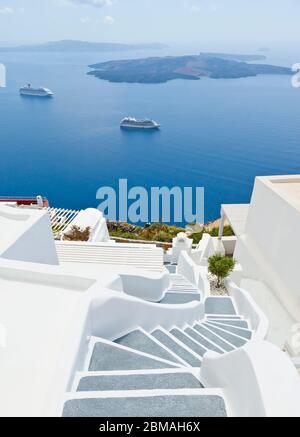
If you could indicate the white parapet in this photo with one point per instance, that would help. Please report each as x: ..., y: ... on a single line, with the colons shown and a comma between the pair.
x: 207, y: 247
x: 150, y: 286
x: 258, y: 380
x: 26, y: 235
x: 268, y: 249
x: 181, y: 243
x: 247, y: 306
x: 91, y: 218
x: 114, y: 314
x: 196, y: 274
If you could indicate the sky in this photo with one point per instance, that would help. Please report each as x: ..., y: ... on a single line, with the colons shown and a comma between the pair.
x: 260, y: 22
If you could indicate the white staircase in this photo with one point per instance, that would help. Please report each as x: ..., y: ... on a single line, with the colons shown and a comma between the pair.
x: 156, y: 374
x: 181, y: 291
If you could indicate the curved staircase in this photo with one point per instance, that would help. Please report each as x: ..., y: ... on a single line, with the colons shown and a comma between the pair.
x: 181, y: 291
x: 156, y: 374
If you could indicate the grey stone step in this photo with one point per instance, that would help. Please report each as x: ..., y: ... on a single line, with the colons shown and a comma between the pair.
x: 213, y: 337
x: 151, y: 381
x: 110, y: 357
x: 245, y: 333
x: 215, y: 316
x: 172, y: 268
x: 233, y: 339
x: 199, y: 350
x: 203, y: 341
x: 178, y: 277
x: 182, y: 290
x: 147, y: 406
x: 219, y: 305
x: 180, y: 298
x: 176, y: 348
x: 139, y: 341
x: 238, y: 323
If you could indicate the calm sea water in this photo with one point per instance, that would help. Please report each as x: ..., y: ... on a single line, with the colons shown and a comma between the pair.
x: 218, y: 134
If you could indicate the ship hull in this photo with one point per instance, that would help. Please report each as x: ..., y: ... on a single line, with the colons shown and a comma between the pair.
x: 29, y: 94
x: 129, y: 127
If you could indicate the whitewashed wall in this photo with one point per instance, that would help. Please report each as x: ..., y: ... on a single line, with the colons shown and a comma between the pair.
x: 269, y: 249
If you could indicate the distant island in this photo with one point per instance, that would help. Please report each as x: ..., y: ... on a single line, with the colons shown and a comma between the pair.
x: 234, y: 57
x: 164, y: 69
x: 81, y: 46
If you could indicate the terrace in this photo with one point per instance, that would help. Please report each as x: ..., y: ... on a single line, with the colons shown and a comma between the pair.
x: 108, y: 330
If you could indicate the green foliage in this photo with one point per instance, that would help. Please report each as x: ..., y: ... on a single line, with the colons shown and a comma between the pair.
x: 227, y: 232
x: 154, y: 232
x: 159, y: 232
x: 197, y: 237
x: 162, y: 236
x: 220, y: 266
x: 214, y: 232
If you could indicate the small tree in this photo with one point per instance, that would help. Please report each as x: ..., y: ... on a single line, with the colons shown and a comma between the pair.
x: 220, y: 266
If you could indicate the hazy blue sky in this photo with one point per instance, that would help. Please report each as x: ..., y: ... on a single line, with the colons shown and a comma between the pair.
x: 186, y: 21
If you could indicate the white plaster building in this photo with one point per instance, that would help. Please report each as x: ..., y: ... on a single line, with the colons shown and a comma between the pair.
x: 267, y: 248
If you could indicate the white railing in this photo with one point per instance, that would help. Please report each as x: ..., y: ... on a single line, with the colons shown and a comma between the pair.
x: 116, y: 314
x: 61, y: 219
x: 247, y: 307
x: 150, y: 287
x: 187, y: 268
x: 197, y: 275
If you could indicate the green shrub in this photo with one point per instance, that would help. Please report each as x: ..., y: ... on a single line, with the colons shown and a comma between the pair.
x: 227, y: 232
x: 78, y: 234
x: 162, y: 236
x: 220, y: 266
x: 197, y: 237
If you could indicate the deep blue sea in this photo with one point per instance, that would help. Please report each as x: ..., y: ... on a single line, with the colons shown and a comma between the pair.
x: 218, y: 134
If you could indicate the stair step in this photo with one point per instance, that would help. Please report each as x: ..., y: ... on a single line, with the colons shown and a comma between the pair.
x: 177, y: 277
x: 203, y: 341
x: 231, y: 338
x: 178, y: 349
x: 149, y: 381
x: 245, y: 333
x: 213, y: 337
x: 184, y: 288
x: 219, y: 305
x: 199, y: 350
x: 238, y: 323
x: 176, y: 405
x: 110, y: 357
x: 171, y: 268
x: 142, y: 342
x: 216, y: 317
x: 180, y: 298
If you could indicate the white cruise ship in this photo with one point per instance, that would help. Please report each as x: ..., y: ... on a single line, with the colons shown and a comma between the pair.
x: 36, y: 92
x: 133, y: 123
